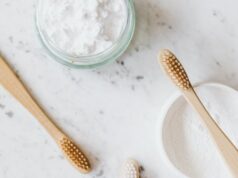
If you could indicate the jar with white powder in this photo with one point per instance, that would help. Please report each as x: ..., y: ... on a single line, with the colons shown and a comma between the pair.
x: 85, y: 33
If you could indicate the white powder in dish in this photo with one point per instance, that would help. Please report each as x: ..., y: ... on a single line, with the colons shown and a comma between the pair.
x: 83, y: 27
x: 187, y: 141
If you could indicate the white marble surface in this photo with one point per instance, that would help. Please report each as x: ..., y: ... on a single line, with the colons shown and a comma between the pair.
x: 111, y: 111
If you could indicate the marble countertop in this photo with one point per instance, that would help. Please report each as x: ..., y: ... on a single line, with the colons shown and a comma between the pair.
x: 111, y: 111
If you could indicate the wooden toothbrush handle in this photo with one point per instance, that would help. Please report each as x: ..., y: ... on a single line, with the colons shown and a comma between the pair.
x: 71, y: 151
x: 225, y: 146
x: 10, y: 82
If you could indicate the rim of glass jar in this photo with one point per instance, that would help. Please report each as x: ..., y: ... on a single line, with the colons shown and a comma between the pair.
x: 95, y: 60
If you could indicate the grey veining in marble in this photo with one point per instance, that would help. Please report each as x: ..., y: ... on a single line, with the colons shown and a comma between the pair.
x: 111, y: 111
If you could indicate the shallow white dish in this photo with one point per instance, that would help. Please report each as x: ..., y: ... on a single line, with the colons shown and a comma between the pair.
x: 184, y: 142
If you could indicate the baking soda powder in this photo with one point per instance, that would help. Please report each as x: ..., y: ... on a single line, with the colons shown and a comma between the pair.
x: 83, y: 27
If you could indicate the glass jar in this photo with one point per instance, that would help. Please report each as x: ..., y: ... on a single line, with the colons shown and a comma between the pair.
x: 89, y: 61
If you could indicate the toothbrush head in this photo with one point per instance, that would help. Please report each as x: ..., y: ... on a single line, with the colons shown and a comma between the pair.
x: 131, y: 169
x: 174, y: 69
x: 75, y: 155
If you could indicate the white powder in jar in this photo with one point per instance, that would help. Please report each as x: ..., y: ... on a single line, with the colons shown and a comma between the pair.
x: 83, y: 27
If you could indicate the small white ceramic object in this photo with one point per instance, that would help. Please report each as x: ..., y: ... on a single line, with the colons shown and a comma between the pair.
x: 184, y: 143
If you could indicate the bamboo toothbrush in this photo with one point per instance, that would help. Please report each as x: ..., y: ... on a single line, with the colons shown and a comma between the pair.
x: 72, y: 152
x: 131, y: 169
x: 177, y: 74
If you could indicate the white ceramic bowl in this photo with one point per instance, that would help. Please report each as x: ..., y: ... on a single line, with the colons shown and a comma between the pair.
x: 184, y: 143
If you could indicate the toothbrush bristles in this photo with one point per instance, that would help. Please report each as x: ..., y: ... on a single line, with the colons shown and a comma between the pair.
x: 75, y: 155
x: 174, y: 69
x: 132, y: 169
